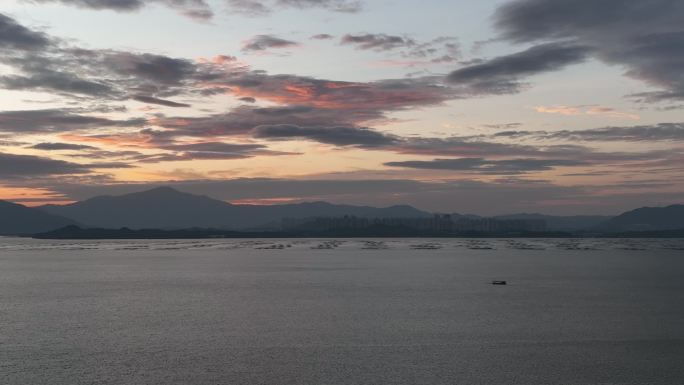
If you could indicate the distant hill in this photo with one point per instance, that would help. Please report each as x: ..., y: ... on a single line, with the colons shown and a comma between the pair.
x: 16, y: 219
x: 562, y: 223
x: 646, y: 219
x: 167, y: 208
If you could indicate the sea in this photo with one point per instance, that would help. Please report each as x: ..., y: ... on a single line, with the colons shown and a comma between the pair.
x: 342, y: 311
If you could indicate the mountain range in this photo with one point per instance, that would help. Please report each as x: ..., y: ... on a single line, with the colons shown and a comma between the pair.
x: 16, y: 219
x: 170, y: 209
x: 167, y: 208
x: 646, y: 219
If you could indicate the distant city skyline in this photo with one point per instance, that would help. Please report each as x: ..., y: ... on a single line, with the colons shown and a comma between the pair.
x: 558, y: 107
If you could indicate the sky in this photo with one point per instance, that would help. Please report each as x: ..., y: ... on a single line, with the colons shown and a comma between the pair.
x: 492, y: 107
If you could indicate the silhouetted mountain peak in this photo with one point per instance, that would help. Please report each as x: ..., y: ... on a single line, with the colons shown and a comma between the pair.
x: 19, y: 219
x: 163, y: 190
x: 168, y: 208
x: 163, y: 195
x: 647, y: 219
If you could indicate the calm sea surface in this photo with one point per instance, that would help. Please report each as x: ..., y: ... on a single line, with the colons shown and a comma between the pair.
x: 317, y: 312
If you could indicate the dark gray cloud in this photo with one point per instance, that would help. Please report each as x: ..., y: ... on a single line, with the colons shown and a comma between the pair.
x: 242, y: 120
x: 322, y: 36
x: 530, y: 20
x: 377, y: 42
x: 61, y: 146
x: 43, y: 63
x: 14, y: 166
x: 15, y: 36
x: 505, y: 74
x: 23, y: 166
x: 443, y: 49
x: 265, y: 7
x: 266, y: 42
x: 337, y: 136
x: 478, y: 147
x: 369, y: 98
x: 486, y: 166
x: 673, y: 132
x: 645, y: 37
x: 108, y: 75
x: 312, y: 124
x: 214, y: 150
x: 57, y: 120
x: 54, y: 81
x: 197, y: 9
x: 161, y: 102
x: 157, y: 69
x: 349, y: 6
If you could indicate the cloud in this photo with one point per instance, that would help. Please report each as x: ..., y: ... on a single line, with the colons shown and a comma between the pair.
x: 109, y: 75
x: 485, y: 166
x: 645, y: 37
x: 367, y: 97
x: 213, y: 150
x: 162, y: 102
x: 242, y: 120
x: 322, y: 36
x: 157, y: 69
x: 347, y: 6
x: 337, y: 136
x: 477, y: 147
x: 47, y: 64
x: 266, y: 42
x: 673, y: 132
x: 592, y: 110
x: 57, y: 120
x: 506, y: 74
x: 15, y: 36
x: 443, y: 49
x: 197, y: 9
x: 265, y: 7
x: 61, y: 146
x: 377, y: 42
x: 201, y: 10
x: 14, y: 166
x: 47, y: 80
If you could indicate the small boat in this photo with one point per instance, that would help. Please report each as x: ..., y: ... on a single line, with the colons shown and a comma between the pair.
x: 499, y: 283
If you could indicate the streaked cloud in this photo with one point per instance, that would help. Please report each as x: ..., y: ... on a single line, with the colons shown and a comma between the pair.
x: 377, y: 42
x: 587, y: 110
x: 266, y: 42
x: 507, y: 74
x: 57, y: 120
x: 673, y: 132
x: 14, y: 166
x: 197, y: 9
x: 647, y: 38
x: 265, y: 7
x: 485, y: 166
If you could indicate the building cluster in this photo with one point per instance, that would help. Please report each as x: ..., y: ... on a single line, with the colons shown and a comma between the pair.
x: 437, y: 224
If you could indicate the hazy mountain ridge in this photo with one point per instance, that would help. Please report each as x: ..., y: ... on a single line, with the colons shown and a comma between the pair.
x: 170, y: 209
x: 16, y: 219
x: 647, y: 219
x: 166, y: 208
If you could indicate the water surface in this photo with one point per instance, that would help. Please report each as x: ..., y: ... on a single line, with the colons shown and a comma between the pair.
x: 342, y: 312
